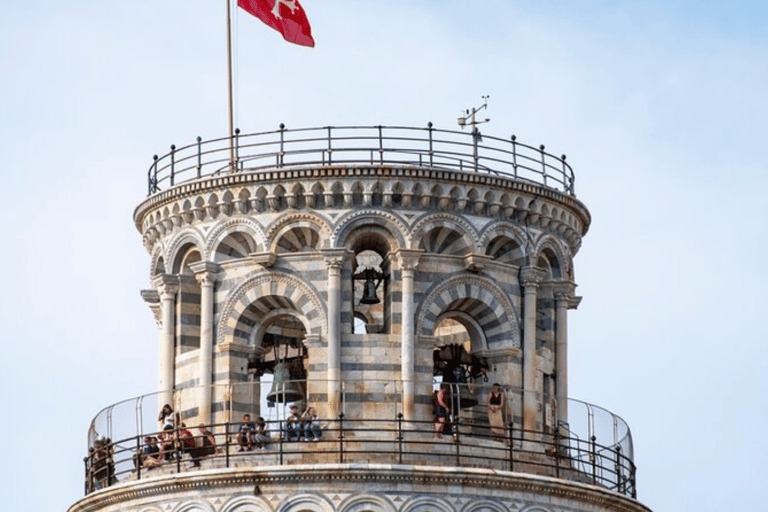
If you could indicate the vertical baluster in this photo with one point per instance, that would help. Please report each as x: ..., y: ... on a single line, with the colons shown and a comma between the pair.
x: 173, y: 162
x: 281, y: 154
x: 431, y: 151
x: 199, y: 156
x: 237, y: 149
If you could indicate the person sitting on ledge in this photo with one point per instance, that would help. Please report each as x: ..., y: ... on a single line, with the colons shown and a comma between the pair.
x: 206, y: 445
x: 245, y: 433
x: 186, y: 441
x: 311, y: 421
x: 261, y: 436
x: 293, y: 428
x: 168, y: 417
x: 152, y: 456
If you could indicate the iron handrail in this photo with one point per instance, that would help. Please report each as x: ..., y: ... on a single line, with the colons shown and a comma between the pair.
x: 389, y: 440
x: 362, y: 145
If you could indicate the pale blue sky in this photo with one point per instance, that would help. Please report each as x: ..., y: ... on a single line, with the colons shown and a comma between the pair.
x: 660, y: 107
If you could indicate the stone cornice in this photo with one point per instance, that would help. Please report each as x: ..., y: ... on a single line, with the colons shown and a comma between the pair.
x: 427, y: 478
x: 354, y: 173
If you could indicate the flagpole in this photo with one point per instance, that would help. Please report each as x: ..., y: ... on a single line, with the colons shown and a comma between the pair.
x: 229, y: 89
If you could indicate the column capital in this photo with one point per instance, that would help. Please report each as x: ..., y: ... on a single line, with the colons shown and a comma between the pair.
x: 335, y: 258
x: 408, y: 259
x: 476, y: 262
x: 531, y: 276
x: 166, y: 284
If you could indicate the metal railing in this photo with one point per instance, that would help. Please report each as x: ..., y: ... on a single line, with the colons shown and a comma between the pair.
x: 342, y: 440
x: 362, y: 145
x: 593, y: 446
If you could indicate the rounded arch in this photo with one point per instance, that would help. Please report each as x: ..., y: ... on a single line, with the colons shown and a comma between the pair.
x: 193, y: 506
x: 237, y: 225
x: 444, y: 223
x: 297, y: 231
x: 427, y: 504
x: 306, y: 503
x: 477, y: 296
x: 298, y: 295
x: 180, y: 244
x: 366, y: 503
x: 236, y: 245
x: 472, y: 326
x: 484, y: 505
x: 388, y: 224
x: 157, y: 262
x: 549, y: 248
x: 493, y: 235
x: 246, y: 504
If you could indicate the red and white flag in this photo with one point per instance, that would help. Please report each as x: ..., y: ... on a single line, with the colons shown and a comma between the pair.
x: 285, y: 16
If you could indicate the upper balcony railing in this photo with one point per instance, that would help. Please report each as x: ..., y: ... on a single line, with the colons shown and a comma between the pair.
x: 593, y: 446
x: 362, y: 145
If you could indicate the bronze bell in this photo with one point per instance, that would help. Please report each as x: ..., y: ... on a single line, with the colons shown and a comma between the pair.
x: 369, y: 292
x: 284, y: 390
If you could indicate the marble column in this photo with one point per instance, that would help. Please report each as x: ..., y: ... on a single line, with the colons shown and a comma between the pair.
x: 205, y: 272
x: 564, y: 300
x: 167, y: 286
x: 530, y: 277
x: 408, y: 261
x: 335, y: 262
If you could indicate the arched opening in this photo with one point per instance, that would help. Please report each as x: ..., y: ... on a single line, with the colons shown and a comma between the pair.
x: 279, y: 361
x: 188, y: 301
x: 371, y: 279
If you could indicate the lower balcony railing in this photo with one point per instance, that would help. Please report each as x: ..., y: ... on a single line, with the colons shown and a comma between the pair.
x: 461, y: 443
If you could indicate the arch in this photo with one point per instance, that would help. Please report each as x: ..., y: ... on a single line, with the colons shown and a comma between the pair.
x: 427, y: 504
x: 484, y: 505
x: 366, y: 503
x: 157, y: 262
x: 549, y: 247
x: 442, y: 221
x: 477, y: 296
x: 306, y: 503
x: 301, y: 297
x: 180, y: 244
x: 472, y: 326
x: 388, y: 224
x: 193, y: 506
x: 236, y: 245
x: 292, y: 232
x: 221, y: 230
x: 246, y: 504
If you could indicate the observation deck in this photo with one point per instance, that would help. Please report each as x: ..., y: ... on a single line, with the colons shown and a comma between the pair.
x: 594, y: 448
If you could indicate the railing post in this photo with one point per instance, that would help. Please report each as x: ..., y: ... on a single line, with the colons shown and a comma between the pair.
x: 381, y: 147
x: 514, y: 155
x: 511, y: 446
x: 619, y: 480
x: 400, y: 437
x: 556, y: 447
x: 173, y: 162
x: 543, y: 165
x: 341, y: 438
x: 281, y: 439
x: 431, y: 152
x: 455, y: 428
x: 199, y: 156
x: 177, y: 448
x: 475, y: 140
x: 237, y: 148
x: 226, y: 444
x: 281, y: 154
x: 152, y: 177
x: 139, y: 460
x: 567, y: 183
x: 593, y: 458
x: 86, y: 483
x: 330, y: 149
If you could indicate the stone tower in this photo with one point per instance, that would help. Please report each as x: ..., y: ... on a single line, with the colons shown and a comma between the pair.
x: 369, y: 273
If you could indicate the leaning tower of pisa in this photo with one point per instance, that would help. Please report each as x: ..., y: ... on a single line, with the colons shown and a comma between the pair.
x: 370, y: 274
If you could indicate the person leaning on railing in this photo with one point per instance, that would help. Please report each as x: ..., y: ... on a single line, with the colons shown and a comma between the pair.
x: 205, y: 445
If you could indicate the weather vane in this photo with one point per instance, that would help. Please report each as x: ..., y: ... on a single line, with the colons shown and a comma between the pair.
x: 469, y: 117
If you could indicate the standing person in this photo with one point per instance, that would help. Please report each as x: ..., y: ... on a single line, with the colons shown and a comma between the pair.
x: 293, y: 425
x: 311, y: 421
x: 245, y: 433
x: 496, y: 404
x: 441, y: 409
